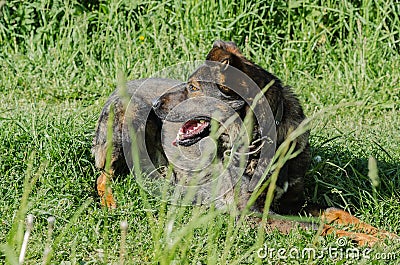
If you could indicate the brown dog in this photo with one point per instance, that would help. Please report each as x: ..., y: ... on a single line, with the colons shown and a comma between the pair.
x: 112, y: 135
x: 217, y: 81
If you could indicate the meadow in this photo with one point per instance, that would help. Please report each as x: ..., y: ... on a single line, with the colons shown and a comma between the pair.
x: 60, y: 60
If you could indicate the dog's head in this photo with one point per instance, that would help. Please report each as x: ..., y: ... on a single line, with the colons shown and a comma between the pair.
x: 226, y: 76
x: 222, y: 85
x: 207, y: 82
x: 202, y: 134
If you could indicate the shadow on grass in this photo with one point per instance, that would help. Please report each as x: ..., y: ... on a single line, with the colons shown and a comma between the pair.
x: 339, y: 178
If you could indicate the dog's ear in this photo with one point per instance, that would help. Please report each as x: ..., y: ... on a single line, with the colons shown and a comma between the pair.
x: 221, y: 53
x: 228, y: 46
x: 225, y: 44
x: 218, y: 44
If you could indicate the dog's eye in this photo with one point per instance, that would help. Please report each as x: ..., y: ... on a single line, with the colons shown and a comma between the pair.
x: 193, y: 88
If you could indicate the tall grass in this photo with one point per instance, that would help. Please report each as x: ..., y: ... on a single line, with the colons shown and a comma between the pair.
x: 59, y: 61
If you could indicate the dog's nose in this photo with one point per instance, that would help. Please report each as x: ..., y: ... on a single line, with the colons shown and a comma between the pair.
x: 156, y: 103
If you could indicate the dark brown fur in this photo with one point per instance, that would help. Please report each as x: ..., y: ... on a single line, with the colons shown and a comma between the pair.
x: 295, y: 169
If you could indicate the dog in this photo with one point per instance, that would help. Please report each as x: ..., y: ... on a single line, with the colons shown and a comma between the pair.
x: 188, y: 127
x: 215, y: 79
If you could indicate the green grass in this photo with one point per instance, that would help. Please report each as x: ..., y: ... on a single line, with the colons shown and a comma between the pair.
x: 59, y: 61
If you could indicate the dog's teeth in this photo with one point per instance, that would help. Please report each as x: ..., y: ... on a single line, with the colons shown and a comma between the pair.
x: 180, y: 134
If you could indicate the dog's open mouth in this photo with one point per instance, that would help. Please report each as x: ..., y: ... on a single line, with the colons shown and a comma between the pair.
x: 192, y: 131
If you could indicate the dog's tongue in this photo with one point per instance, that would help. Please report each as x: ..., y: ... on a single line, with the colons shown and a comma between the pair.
x: 190, y: 129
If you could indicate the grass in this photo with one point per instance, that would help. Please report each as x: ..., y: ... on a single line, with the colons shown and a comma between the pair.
x: 59, y: 62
